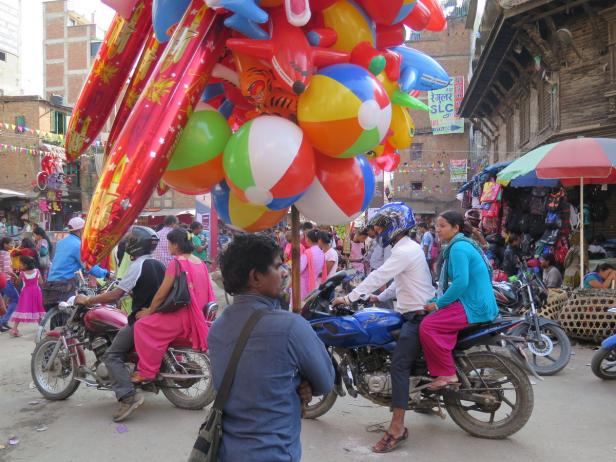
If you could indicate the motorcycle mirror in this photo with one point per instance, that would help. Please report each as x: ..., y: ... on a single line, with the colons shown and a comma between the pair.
x: 612, y: 310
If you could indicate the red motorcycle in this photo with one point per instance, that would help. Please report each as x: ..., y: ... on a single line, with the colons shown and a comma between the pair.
x: 59, y: 363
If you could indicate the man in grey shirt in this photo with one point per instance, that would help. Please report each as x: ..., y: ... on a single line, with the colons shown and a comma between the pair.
x: 552, y: 278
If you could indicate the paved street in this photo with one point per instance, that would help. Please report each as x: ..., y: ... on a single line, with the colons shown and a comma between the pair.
x: 573, y: 420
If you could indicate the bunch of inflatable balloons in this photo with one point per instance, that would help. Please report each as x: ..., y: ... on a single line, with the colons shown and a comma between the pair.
x: 265, y: 103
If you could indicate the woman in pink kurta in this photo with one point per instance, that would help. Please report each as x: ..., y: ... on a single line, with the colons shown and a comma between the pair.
x: 155, y: 331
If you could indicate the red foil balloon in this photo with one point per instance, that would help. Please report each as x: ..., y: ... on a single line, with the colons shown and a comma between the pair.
x: 438, y: 21
x: 145, y: 66
x: 143, y: 149
x: 419, y: 17
x: 115, y: 59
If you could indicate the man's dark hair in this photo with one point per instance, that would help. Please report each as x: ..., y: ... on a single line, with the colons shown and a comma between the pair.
x: 243, y: 254
x: 513, y: 237
x: 313, y: 235
x: 195, y: 225
x: 307, y: 225
x: 325, y: 237
x: 549, y: 257
x: 4, y: 241
x: 422, y: 225
x: 181, y: 238
x: 170, y: 220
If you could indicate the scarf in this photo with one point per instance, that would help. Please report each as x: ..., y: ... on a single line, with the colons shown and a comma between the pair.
x: 443, y: 262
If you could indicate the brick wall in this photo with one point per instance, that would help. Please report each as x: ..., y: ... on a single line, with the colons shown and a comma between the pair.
x: 451, y: 49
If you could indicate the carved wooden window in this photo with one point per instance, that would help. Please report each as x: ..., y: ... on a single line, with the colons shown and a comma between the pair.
x: 510, y: 136
x: 524, y: 120
x: 547, y: 94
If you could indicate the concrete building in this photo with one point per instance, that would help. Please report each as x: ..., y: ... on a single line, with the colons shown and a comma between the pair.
x: 423, y: 178
x: 29, y: 129
x: 10, y: 26
x: 70, y: 45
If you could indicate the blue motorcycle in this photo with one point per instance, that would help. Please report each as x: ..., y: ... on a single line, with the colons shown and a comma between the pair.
x: 603, y: 362
x: 495, y: 396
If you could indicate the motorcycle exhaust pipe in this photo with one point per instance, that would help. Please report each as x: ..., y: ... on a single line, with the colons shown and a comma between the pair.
x: 518, y: 355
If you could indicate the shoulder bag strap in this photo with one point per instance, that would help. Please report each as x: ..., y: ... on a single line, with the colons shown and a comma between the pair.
x: 227, y: 381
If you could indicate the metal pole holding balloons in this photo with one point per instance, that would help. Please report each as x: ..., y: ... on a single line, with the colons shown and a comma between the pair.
x: 295, y: 261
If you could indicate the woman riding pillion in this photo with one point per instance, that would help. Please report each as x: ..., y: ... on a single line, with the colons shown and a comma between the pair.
x: 465, y: 297
x: 412, y: 287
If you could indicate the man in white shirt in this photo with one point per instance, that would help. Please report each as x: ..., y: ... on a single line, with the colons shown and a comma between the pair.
x: 331, y: 255
x: 412, y: 286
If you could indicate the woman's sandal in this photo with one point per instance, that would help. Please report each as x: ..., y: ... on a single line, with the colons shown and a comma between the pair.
x: 442, y: 382
x: 137, y: 378
x: 389, y: 442
x: 14, y: 333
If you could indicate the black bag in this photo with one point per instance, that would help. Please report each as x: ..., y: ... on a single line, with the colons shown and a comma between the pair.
x: 179, y: 296
x: 206, y: 447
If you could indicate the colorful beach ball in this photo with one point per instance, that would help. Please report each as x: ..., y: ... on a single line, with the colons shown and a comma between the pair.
x: 351, y: 23
x: 241, y: 215
x: 345, y: 111
x: 196, y: 162
x: 342, y: 189
x: 269, y: 162
x: 388, y: 12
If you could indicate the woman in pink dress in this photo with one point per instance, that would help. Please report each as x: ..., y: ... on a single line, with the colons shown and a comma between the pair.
x: 155, y: 331
x: 356, y: 257
x: 30, y: 304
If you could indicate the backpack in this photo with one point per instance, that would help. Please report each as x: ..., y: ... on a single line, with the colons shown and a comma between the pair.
x: 555, y: 200
x: 490, y: 209
x: 553, y: 221
x: 561, y: 248
x: 492, y: 192
x: 538, y: 200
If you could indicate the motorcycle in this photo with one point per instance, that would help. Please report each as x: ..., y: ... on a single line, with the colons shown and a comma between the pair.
x: 494, y: 399
x: 546, y: 342
x: 59, y: 363
x: 603, y: 363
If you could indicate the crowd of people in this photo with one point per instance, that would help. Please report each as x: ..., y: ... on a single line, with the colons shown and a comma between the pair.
x: 440, y: 276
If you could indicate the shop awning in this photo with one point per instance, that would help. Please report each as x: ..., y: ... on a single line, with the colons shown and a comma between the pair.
x: 165, y: 212
x: 6, y: 193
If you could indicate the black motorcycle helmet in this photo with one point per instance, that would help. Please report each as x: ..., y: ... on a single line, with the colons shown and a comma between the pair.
x: 140, y: 241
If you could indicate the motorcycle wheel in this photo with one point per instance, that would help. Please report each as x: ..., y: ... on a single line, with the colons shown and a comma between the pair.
x: 189, y: 394
x: 555, y: 356
x: 603, y: 363
x: 320, y: 405
x: 60, y: 381
x: 52, y: 318
x: 509, y: 396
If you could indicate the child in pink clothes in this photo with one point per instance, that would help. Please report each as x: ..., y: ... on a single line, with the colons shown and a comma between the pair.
x: 30, y: 304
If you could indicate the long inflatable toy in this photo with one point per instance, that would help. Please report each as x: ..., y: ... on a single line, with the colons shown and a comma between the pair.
x: 143, y: 149
x: 113, y: 64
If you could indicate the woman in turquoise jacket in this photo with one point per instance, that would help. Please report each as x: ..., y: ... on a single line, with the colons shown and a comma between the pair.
x: 465, y: 297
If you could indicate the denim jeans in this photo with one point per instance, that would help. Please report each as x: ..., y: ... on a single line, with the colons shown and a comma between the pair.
x: 10, y: 292
x: 407, y: 350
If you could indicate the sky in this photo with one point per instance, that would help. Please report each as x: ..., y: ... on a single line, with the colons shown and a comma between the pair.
x: 32, y: 37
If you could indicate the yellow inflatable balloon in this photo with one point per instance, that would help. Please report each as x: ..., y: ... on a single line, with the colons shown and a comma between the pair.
x: 402, y: 126
x: 351, y: 23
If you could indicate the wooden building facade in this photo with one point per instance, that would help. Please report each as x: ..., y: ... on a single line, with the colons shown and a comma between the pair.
x: 542, y: 71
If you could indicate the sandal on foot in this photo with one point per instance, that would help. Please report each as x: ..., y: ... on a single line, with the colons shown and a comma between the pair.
x: 442, y: 382
x: 389, y: 442
x: 14, y: 333
x: 136, y: 377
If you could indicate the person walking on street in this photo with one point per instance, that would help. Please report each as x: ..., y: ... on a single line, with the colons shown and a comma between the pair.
x: 200, y: 251
x: 30, y: 306
x: 9, y: 291
x: 283, y: 363
x: 43, y: 248
x: 427, y: 241
x: 331, y: 255
x: 412, y: 286
x: 465, y: 297
x: 142, y: 279
x: 162, y: 253
x: 313, y: 270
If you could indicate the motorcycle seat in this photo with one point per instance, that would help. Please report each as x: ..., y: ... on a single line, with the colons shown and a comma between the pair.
x: 181, y: 342
x: 473, y: 328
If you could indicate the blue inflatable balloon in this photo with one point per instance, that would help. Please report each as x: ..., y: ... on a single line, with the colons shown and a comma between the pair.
x: 246, y: 17
x: 165, y: 15
x: 419, y: 71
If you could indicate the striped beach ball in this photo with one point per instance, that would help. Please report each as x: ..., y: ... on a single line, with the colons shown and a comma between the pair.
x: 345, y: 111
x: 269, y: 162
x: 196, y: 162
x: 342, y: 189
x: 241, y: 215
